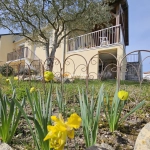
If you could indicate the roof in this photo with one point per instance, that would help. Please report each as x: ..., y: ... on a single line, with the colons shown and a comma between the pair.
x: 9, y: 34
x: 147, y: 72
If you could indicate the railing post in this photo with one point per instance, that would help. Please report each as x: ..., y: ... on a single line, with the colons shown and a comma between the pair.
x: 121, y: 36
x: 117, y: 34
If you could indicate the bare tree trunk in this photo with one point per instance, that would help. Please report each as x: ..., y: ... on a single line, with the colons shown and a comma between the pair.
x: 53, y: 51
x: 47, y: 50
x: 52, y: 57
x: 48, y: 60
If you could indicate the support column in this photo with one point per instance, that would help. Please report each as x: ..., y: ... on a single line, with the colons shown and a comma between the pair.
x: 117, y: 23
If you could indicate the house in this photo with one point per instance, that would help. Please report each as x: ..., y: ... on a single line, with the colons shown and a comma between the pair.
x: 134, y: 67
x: 146, y: 75
x: 15, y: 50
x: 104, y: 44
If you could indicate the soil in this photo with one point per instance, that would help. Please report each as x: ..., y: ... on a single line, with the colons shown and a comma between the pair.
x: 122, y: 139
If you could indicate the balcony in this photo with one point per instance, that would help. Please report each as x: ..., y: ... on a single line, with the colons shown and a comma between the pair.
x: 17, y: 38
x: 134, y: 57
x: 101, y: 38
x: 21, y: 54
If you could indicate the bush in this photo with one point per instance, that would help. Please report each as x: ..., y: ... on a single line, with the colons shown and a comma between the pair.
x: 6, y: 70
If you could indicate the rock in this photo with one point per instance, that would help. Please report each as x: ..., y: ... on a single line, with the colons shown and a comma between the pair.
x: 143, y: 139
x: 20, y: 77
x: 106, y: 146
x: 57, y: 79
x: 68, y: 80
x: 33, y: 77
x: 4, y: 146
x: 103, y: 146
x: 65, y: 80
x: 94, y: 148
x: 37, y: 78
x: 130, y: 147
x: 26, y: 79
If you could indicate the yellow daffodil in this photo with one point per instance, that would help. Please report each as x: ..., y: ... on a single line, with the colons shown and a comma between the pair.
x: 15, y: 78
x: 58, y: 133
x: 48, y: 75
x: 7, y: 80
x: 123, y: 95
x: 74, y: 121
x: 32, y: 89
x: 57, y: 138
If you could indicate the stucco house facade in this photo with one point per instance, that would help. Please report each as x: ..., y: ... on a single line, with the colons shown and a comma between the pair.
x: 104, y: 44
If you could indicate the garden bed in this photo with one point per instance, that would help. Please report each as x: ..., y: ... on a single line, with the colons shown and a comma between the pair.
x: 122, y: 139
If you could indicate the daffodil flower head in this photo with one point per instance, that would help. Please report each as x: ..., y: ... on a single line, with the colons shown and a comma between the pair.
x: 7, y: 80
x: 74, y: 121
x: 56, y: 138
x: 32, y: 90
x: 57, y: 134
x: 15, y: 78
x: 48, y: 76
x: 54, y: 118
x: 123, y: 95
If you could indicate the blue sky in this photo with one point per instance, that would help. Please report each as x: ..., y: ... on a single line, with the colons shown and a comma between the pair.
x: 139, y: 24
x: 139, y: 28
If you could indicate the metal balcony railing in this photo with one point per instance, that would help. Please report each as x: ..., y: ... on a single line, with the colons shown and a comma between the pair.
x: 134, y: 57
x: 101, y: 38
x: 24, y: 52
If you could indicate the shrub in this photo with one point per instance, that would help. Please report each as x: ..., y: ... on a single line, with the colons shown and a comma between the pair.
x: 6, y: 70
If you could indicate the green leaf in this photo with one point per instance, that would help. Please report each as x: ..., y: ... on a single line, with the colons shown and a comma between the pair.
x: 133, y: 110
x: 90, y: 120
x: 15, y: 124
x: 9, y: 117
x: 30, y: 127
x: 96, y: 121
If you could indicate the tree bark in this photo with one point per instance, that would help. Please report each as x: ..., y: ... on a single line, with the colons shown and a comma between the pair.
x: 52, y: 58
x: 47, y: 50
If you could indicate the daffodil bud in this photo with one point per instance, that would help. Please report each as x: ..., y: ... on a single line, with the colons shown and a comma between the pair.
x: 48, y: 76
x: 123, y: 95
x: 32, y: 89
